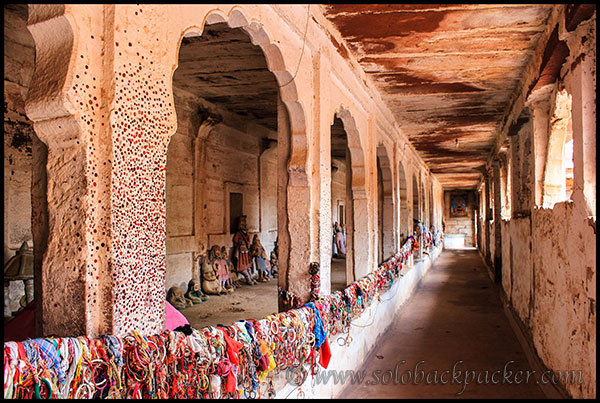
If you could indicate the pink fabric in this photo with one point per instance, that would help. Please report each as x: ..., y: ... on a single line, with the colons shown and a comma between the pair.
x: 222, y: 270
x: 174, y: 318
x: 340, y: 243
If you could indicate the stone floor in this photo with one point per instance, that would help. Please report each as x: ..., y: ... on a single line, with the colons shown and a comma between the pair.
x: 338, y: 274
x: 250, y: 302
x: 454, y: 315
x: 246, y: 302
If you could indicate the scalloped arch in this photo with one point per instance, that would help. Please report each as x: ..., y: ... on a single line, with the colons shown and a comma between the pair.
x: 357, y: 155
x: 276, y: 64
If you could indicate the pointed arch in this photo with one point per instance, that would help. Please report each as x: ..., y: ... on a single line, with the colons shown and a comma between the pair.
x: 385, y: 205
x: 356, y: 196
x: 403, y: 209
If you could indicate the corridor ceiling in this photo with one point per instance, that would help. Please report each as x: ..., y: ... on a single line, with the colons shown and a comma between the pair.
x: 226, y: 69
x: 447, y: 72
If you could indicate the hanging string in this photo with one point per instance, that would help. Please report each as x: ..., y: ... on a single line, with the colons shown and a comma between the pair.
x: 303, y: 45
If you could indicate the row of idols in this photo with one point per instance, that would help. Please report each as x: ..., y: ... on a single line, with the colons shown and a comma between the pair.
x: 222, y: 274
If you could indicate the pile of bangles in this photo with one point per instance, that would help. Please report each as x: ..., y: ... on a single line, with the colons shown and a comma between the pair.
x: 431, y: 238
x: 236, y: 361
x: 213, y: 362
x: 350, y: 303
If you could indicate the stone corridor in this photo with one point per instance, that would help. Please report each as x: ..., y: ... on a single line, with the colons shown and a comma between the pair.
x: 454, y: 322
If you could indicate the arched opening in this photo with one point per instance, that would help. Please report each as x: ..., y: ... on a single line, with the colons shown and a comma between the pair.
x: 416, y: 215
x: 492, y: 192
x: 224, y: 195
x: 504, y: 183
x: 415, y: 202
x: 568, y: 161
x: 430, y: 202
x: 423, y: 212
x: 341, y: 204
x: 25, y: 182
x: 558, y: 175
x: 423, y: 204
x: 508, y: 212
x: 385, y: 206
x: 403, y: 215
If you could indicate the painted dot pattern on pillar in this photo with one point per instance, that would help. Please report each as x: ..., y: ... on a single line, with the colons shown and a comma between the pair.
x: 142, y: 122
x: 85, y: 93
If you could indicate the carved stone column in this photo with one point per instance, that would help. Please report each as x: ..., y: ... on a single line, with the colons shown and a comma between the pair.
x: 497, y: 258
x: 67, y: 102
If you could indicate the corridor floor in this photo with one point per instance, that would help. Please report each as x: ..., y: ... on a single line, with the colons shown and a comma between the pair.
x: 453, y: 322
x: 338, y: 274
x: 246, y: 302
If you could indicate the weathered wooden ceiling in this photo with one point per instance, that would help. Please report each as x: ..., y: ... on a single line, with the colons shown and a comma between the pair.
x: 447, y: 72
x: 225, y: 68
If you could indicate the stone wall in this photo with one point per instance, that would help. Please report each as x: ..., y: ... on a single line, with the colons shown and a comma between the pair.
x: 519, y: 266
x: 197, y: 186
x: 548, y: 248
x: 19, y: 54
x: 549, y: 277
x: 563, y: 292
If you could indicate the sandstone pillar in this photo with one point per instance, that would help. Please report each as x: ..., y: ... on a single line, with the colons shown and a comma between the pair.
x: 582, y: 87
x: 497, y: 258
x: 68, y: 104
x: 539, y: 104
x: 323, y: 204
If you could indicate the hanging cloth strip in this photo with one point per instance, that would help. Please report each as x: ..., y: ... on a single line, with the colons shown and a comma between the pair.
x: 321, y: 341
x: 233, y: 347
x: 76, y: 356
x: 11, y: 362
x: 325, y: 354
x: 319, y: 331
x: 114, y: 345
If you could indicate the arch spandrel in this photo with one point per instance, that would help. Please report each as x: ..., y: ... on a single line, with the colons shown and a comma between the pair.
x: 47, y: 95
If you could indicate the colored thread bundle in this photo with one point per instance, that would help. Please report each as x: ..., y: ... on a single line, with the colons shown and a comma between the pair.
x: 289, y: 299
x: 315, y: 281
x: 213, y: 362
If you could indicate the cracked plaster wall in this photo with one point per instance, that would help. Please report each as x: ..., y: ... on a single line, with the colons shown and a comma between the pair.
x: 549, y: 254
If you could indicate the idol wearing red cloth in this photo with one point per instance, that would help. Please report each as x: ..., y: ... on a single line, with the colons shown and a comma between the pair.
x: 241, y: 251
